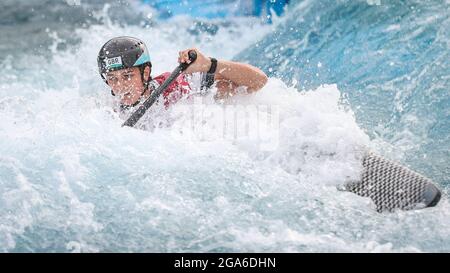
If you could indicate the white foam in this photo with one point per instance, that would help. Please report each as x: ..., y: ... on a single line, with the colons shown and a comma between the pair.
x: 81, y: 182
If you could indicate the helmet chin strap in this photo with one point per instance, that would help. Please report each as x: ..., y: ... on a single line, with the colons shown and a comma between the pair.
x: 146, y: 86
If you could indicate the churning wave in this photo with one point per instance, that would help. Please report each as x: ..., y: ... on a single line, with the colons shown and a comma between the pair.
x: 72, y: 179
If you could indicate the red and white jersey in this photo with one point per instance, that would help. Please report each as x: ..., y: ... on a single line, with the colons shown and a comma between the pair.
x: 184, y: 86
x: 175, y: 91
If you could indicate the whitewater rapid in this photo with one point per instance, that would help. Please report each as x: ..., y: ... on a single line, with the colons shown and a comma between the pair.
x: 73, y: 180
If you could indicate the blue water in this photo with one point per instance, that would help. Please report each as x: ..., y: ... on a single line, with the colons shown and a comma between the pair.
x: 344, y: 76
x: 392, y: 61
x: 218, y: 8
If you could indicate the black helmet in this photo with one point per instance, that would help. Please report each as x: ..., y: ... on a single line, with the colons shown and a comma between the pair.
x: 123, y: 52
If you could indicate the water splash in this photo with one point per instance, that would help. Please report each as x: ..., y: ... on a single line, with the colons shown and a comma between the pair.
x: 73, y: 180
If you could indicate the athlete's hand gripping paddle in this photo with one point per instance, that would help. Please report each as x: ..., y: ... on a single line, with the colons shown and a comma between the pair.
x: 136, y: 115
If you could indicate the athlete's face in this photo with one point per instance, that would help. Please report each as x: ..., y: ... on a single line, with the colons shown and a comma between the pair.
x: 127, y: 84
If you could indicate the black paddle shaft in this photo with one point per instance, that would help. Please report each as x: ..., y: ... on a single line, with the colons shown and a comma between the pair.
x: 136, y: 115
